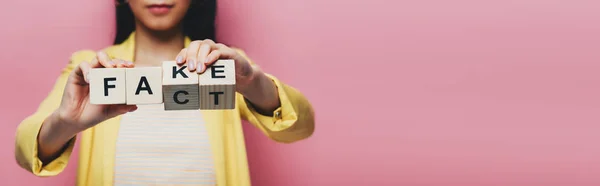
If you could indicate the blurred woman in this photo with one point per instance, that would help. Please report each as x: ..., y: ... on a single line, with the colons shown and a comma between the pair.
x: 144, y: 144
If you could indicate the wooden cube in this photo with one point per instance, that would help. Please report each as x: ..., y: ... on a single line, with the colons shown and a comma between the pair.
x: 180, y: 87
x: 144, y: 85
x: 213, y: 97
x: 174, y: 74
x: 217, y: 86
x: 181, y: 97
x: 107, y: 86
x: 222, y: 72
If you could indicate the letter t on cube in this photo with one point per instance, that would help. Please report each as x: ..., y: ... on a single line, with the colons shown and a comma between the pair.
x: 180, y: 87
x: 217, y: 86
x: 107, y: 86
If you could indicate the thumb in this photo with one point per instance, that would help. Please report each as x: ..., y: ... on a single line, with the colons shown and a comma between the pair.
x: 116, y: 110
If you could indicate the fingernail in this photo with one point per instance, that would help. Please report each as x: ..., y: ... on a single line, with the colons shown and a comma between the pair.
x: 129, y: 63
x: 111, y: 63
x: 200, y: 67
x: 179, y: 59
x: 191, y: 64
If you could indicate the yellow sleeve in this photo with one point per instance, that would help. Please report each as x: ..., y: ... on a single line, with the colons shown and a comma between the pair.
x: 292, y: 121
x: 26, y: 143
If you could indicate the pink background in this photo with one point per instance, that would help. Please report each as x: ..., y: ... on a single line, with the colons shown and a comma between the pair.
x: 430, y: 92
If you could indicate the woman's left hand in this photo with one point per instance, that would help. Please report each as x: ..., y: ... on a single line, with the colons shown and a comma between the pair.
x: 201, y: 54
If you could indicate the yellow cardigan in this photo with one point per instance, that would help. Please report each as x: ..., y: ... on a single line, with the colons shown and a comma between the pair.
x: 293, y: 121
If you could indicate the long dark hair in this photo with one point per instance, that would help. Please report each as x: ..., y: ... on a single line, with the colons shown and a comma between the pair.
x: 198, y: 23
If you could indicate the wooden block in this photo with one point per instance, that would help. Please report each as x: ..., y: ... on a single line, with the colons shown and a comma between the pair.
x: 174, y: 74
x: 107, y: 86
x: 220, y: 73
x: 144, y: 85
x: 214, y: 97
x: 217, y: 86
x: 181, y: 97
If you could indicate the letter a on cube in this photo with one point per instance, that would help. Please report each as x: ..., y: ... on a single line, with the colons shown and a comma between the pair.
x: 107, y: 86
x: 144, y: 85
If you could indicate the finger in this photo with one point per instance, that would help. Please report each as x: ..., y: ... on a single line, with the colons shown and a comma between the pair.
x: 95, y: 64
x: 220, y: 46
x: 129, y: 64
x: 82, y: 71
x: 127, y: 108
x: 120, y: 63
x: 84, y: 68
x: 191, y: 55
x: 123, y: 63
x: 115, y: 110
x: 211, y: 58
x: 133, y: 108
x: 226, y: 52
x: 205, y: 48
x: 104, y: 60
x: 181, y: 57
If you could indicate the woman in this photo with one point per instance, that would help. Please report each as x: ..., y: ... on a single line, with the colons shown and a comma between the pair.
x: 145, y: 145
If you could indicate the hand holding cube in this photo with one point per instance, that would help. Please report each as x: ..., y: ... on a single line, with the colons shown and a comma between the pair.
x: 104, y: 88
x: 76, y: 111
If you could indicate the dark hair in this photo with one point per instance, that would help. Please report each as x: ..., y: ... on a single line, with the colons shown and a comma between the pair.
x: 198, y: 23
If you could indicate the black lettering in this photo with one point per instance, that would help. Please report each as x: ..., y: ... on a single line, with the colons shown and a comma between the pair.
x: 216, y: 94
x: 180, y: 71
x: 177, y: 100
x: 107, y: 86
x: 146, y: 86
x: 214, y: 71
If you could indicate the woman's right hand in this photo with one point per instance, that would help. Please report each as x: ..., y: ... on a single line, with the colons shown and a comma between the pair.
x: 75, y: 109
x: 75, y: 113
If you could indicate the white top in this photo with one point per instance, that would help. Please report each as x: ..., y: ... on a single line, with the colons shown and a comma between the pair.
x: 158, y: 147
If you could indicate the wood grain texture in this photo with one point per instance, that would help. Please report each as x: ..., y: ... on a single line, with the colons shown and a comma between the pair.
x: 216, y: 97
x: 181, y: 97
x: 113, y: 92
x: 181, y: 75
x: 221, y: 72
x: 149, y: 82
